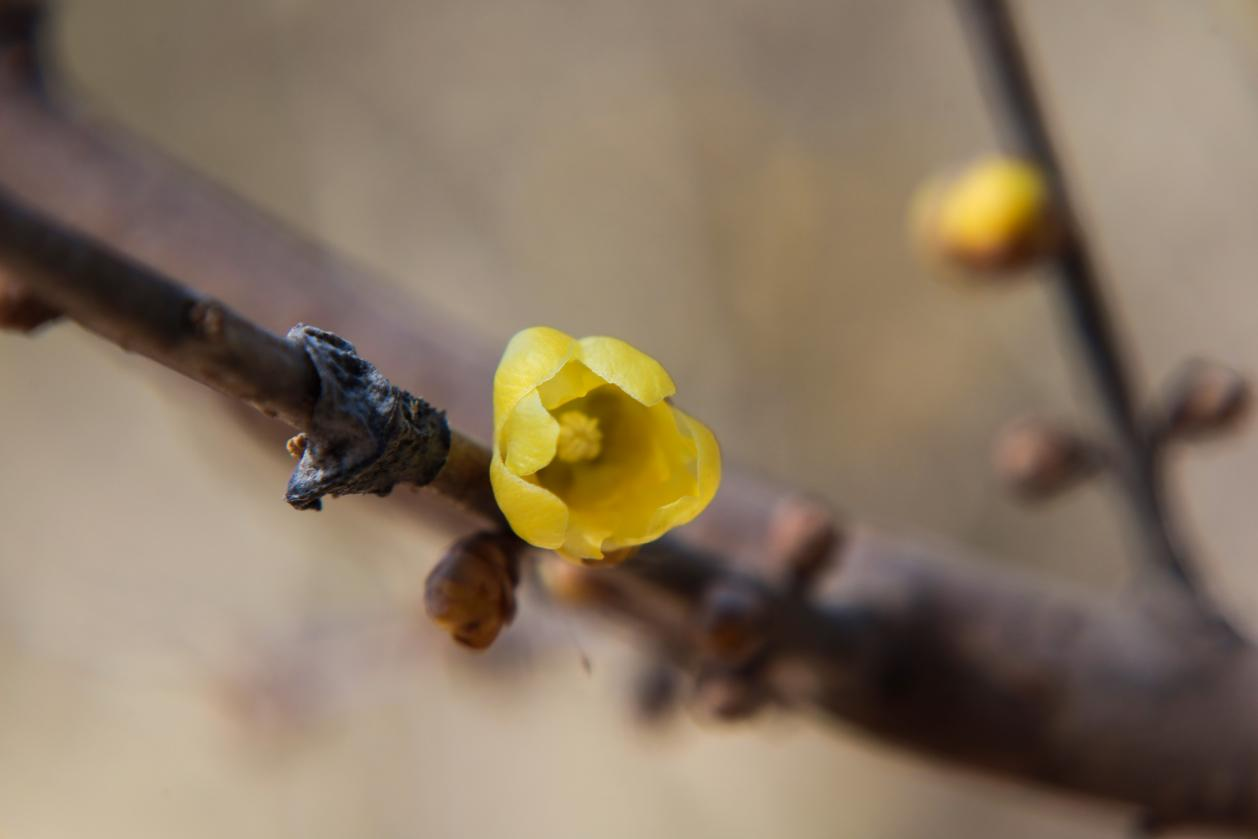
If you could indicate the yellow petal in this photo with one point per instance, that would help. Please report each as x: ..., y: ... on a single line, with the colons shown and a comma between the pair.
x: 703, y: 467
x: 535, y: 514
x: 529, y: 436
x: 627, y: 367
x: 583, y: 540
x: 532, y: 357
x: 707, y: 459
x: 574, y: 381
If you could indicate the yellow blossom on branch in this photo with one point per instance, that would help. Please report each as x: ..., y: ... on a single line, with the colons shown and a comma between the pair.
x: 590, y: 457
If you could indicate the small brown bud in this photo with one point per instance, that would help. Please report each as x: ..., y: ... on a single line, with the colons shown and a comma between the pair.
x: 1036, y: 458
x: 20, y: 310
x: 471, y: 591
x: 732, y: 621
x: 655, y: 692
x: 804, y: 539
x: 1205, y: 398
x: 727, y: 696
x: 296, y: 445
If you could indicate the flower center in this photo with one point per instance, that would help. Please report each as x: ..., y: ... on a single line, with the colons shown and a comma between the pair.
x: 580, y: 438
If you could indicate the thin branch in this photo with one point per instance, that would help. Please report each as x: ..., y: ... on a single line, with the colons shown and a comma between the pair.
x: 142, y: 311
x: 1002, y: 60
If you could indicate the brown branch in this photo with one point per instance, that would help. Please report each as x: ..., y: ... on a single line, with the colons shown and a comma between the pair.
x: 1019, y: 112
x: 1143, y: 700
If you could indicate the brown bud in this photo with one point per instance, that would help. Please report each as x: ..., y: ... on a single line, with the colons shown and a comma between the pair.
x: 655, y: 692
x: 471, y: 591
x: 1036, y: 458
x: 296, y: 445
x: 1205, y: 398
x: 731, y: 624
x: 803, y: 539
x: 727, y: 696
x: 21, y: 310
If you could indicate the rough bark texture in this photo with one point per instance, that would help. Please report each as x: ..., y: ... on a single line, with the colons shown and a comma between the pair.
x: 365, y: 435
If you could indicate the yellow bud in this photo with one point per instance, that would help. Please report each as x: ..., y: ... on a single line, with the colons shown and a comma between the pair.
x: 994, y: 217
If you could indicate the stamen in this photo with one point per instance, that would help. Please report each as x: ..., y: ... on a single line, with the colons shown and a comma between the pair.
x: 580, y: 438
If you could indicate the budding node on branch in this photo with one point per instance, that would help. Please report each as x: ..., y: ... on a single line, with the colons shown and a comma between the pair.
x: 20, y: 310
x: 1037, y: 458
x: 727, y: 696
x: 731, y: 622
x: 1204, y: 398
x: 655, y: 692
x: 804, y: 539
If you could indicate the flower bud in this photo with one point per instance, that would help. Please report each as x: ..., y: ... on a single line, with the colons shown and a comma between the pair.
x: 1036, y: 458
x: 655, y: 692
x: 20, y: 310
x: 727, y: 696
x: 732, y: 622
x: 803, y: 539
x: 1204, y: 398
x: 471, y: 591
x: 994, y: 217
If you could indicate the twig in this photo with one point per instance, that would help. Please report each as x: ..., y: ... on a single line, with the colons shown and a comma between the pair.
x: 143, y: 311
x: 1007, y: 75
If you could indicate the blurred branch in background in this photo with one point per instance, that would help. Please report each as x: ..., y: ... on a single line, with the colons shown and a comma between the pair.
x: 1143, y: 700
x: 1018, y: 110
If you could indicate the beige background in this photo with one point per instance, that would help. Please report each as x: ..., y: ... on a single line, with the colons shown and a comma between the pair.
x: 724, y: 183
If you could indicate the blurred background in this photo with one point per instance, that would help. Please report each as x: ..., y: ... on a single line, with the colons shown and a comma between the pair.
x: 722, y: 182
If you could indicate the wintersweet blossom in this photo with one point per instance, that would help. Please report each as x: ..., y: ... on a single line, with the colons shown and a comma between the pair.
x: 590, y: 458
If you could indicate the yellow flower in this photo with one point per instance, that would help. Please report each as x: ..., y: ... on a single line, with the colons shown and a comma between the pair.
x: 995, y: 216
x: 590, y: 457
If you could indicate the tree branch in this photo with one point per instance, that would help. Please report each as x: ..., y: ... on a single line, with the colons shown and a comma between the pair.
x: 1007, y: 76
x: 1143, y: 700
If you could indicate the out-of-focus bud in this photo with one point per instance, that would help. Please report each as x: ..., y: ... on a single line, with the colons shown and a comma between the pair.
x: 20, y: 310
x: 731, y: 623
x: 995, y: 217
x: 1036, y: 458
x: 471, y: 591
x: 1204, y: 398
x: 655, y: 692
x: 727, y: 696
x: 804, y: 539
x: 567, y: 583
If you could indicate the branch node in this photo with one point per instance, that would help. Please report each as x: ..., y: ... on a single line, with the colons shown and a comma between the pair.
x: 732, y: 621
x: 1037, y: 458
x: 207, y: 317
x: 1204, y: 399
x: 366, y: 435
x: 804, y: 540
